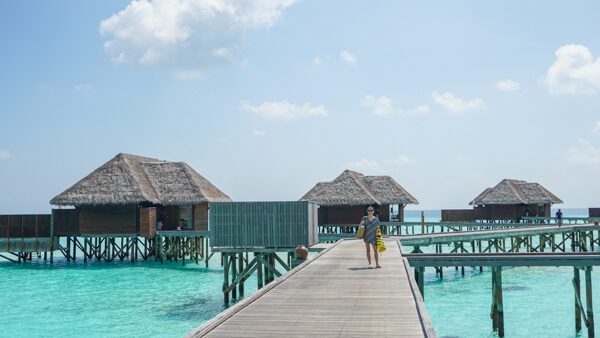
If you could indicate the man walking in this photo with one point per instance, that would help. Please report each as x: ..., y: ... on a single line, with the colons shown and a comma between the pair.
x: 559, y: 218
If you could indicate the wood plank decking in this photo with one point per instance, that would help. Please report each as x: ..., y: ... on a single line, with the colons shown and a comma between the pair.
x: 334, y: 294
x: 449, y: 237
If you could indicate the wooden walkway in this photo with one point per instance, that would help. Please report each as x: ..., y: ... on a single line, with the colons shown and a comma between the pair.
x: 449, y: 237
x: 333, y: 294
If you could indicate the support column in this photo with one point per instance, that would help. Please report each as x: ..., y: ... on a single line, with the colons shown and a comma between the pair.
x: 419, y: 272
x: 241, y: 268
x: 577, y: 289
x: 51, y: 237
x: 497, y: 304
x: 259, y: 272
x: 233, y: 258
x: 588, y: 301
x: 225, y: 276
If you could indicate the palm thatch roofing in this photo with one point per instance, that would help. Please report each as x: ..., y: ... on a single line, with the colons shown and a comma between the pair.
x: 516, y: 192
x: 132, y: 179
x: 353, y: 188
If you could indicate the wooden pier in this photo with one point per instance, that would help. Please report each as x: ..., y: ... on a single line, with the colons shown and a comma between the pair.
x: 333, y: 294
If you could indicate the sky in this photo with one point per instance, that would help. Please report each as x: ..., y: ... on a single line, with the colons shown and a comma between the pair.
x: 265, y: 98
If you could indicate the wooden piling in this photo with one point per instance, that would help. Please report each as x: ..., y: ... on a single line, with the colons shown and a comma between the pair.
x: 497, y: 304
x: 224, y: 257
x: 259, y: 273
x: 241, y: 268
x: 588, y: 301
x: 233, y: 258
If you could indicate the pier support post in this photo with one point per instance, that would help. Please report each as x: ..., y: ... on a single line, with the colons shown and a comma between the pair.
x: 577, y: 291
x: 225, y: 257
x: 588, y: 301
x: 233, y: 258
x: 497, y: 304
x: 241, y: 268
x: 259, y: 273
x: 419, y: 272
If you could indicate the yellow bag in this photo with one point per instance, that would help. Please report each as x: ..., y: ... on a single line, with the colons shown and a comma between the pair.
x: 380, y: 245
x: 360, y: 233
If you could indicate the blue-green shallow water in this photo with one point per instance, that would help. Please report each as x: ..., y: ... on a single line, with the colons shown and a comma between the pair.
x: 100, y: 299
x: 538, y: 302
x: 145, y: 298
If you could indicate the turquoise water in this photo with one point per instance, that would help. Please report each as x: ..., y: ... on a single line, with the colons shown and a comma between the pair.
x: 100, y: 299
x: 538, y: 302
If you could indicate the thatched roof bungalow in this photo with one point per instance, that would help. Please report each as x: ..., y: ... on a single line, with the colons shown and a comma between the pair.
x: 513, y: 199
x: 343, y: 200
x: 130, y: 189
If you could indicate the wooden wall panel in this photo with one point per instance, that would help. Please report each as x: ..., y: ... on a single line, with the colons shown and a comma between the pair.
x: 107, y: 219
x: 200, y: 217
x: 148, y: 222
x: 458, y: 215
x: 66, y: 222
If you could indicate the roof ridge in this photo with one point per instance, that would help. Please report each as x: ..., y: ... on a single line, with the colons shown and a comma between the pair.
x: 190, y: 177
x: 137, y: 182
x: 512, y: 184
x: 365, y: 187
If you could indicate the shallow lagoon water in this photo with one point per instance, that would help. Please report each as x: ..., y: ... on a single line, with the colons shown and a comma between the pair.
x: 102, y: 299
x: 145, y: 298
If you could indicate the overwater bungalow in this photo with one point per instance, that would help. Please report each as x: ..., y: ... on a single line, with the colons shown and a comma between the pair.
x: 513, y: 199
x: 343, y: 200
x: 133, y: 194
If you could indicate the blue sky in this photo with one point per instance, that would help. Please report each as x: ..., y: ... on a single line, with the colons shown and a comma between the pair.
x: 267, y: 98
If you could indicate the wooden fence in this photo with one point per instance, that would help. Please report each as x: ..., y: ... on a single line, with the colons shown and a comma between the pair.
x: 24, y: 226
x: 458, y: 215
x: 263, y: 224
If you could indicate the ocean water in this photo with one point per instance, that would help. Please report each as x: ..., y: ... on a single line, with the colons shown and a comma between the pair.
x: 145, y: 298
x: 538, y: 302
x: 119, y: 299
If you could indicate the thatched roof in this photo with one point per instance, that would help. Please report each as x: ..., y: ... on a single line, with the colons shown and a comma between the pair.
x: 131, y: 179
x: 516, y: 192
x: 352, y: 188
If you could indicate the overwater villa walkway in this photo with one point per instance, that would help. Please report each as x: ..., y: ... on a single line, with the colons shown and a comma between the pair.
x: 333, y: 294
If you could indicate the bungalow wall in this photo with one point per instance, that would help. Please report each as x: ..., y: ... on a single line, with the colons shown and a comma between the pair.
x: 110, y: 219
x: 510, y: 211
x: 200, y: 217
x: 351, y: 214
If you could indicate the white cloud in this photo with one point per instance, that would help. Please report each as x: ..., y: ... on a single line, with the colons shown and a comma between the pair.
x: 400, y: 160
x: 84, y: 89
x: 422, y: 109
x: 456, y: 105
x: 283, y: 110
x: 583, y: 154
x: 317, y: 60
x: 369, y: 166
x: 189, y: 74
x: 574, y: 71
x: 185, y: 33
x: 508, y: 85
x: 348, y: 57
x: 257, y: 132
x: 597, y: 127
x: 378, y: 105
x: 4, y: 155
